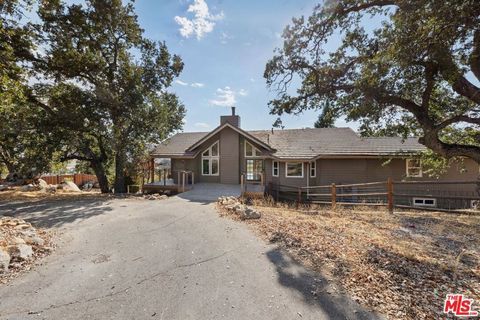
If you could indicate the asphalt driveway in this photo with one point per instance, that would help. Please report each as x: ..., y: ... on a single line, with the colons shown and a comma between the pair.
x: 167, y: 259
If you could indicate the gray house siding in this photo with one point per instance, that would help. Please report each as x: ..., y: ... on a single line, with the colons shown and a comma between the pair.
x: 232, y: 162
x: 229, y: 157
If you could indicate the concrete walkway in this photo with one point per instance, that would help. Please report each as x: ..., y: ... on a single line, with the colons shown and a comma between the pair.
x: 167, y: 259
x: 208, y: 192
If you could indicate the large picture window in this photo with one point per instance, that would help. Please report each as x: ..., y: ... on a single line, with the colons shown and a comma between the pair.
x: 210, y: 161
x: 251, y: 151
x: 294, y: 169
x: 414, y: 168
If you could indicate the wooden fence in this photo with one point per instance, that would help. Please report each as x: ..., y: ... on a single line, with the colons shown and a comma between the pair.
x: 433, y: 195
x: 78, y: 178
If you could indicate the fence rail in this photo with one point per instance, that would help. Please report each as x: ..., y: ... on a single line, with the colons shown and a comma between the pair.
x: 78, y: 178
x: 444, y: 195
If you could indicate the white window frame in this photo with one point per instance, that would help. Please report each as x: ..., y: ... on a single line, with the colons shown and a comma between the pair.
x: 314, y: 168
x: 210, y: 157
x: 408, y: 167
x: 255, y: 152
x: 423, y: 204
x: 286, y: 169
x: 277, y: 168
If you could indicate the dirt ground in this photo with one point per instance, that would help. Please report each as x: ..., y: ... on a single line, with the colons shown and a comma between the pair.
x: 17, y: 195
x: 401, y: 265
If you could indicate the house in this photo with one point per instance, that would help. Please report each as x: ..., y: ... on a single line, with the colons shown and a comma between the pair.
x: 295, y: 157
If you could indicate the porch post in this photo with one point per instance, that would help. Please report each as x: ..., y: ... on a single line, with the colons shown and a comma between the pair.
x: 152, y: 170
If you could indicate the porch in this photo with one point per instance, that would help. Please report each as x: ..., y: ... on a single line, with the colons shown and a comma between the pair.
x: 166, y: 183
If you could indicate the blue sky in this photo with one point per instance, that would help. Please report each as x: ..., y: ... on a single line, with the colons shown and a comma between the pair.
x: 225, y: 45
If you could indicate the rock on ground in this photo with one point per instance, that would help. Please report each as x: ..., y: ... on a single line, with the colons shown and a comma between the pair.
x: 28, y: 188
x: 70, y: 186
x: 233, y: 205
x: 20, y: 251
x: 4, y: 260
x: 20, y: 245
x: 42, y: 183
x: 156, y: 197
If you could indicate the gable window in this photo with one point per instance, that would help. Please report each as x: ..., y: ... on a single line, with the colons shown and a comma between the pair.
x: 313, y: 169
x: 275, y: 168
x: 210, y: 161
x: 251, y: 151
x: 294, y: 169
x: 414, y: 168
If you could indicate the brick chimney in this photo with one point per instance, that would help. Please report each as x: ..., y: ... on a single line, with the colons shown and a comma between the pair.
x: 233, y: 119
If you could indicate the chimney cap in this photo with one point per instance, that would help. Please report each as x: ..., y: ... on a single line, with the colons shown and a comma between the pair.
x: 233, y: 111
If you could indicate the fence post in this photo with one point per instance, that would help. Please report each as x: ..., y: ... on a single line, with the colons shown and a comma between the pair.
x: 334, y: 196
x: 183, y: 181
x: 152, y: 170
x: 241, y: 184
x: 299, y: 200
x: 390, y: 194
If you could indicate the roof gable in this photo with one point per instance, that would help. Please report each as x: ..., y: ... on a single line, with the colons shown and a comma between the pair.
x: 240, y: 131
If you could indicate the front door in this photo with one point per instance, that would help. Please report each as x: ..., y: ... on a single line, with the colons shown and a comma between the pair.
x: 254, y: 169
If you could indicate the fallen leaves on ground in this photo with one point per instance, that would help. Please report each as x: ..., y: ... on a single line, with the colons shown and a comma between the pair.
x: 401, y: 265
x: 14, y: 231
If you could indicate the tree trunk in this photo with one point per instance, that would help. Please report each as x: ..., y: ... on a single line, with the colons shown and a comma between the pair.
x: 119, y: 184
x: 99, y: 170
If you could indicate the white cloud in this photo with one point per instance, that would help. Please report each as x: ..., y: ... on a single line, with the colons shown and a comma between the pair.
x: 202, y: 125
x: 227, y: 97
x: 201, y: 23
x: 242, y: 92
x: 252, y: 80
x: 193, y: 84
x: 182, y: 83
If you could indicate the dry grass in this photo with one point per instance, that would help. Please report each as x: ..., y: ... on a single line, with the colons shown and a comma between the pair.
x: 17, y: 195
x: 401, y: 265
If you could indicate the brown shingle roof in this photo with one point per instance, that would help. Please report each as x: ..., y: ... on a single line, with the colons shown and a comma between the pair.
x: 178, y: 144
x: 305, y: 143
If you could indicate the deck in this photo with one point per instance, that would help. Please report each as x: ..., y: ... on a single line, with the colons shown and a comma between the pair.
x: 165, y: 185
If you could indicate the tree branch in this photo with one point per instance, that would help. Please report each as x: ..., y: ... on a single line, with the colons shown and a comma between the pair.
x: 458, y: 118
x: 430, y: 73
x: 342, y: 11
x: 475, y: 56
x: 450, y: 150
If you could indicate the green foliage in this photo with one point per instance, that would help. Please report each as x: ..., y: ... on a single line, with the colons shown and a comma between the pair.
x: 108, y: 98
x: 326, y: 119
x: 24, y: 147
x: 411, y: 74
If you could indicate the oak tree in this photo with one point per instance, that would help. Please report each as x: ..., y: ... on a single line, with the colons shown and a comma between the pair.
x: 409, y: 67
x: 109, y: 83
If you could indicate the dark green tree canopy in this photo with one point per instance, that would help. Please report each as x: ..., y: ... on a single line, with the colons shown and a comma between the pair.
x: 24, y: 148
x: 417, y: 72
x: 108, y: 95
